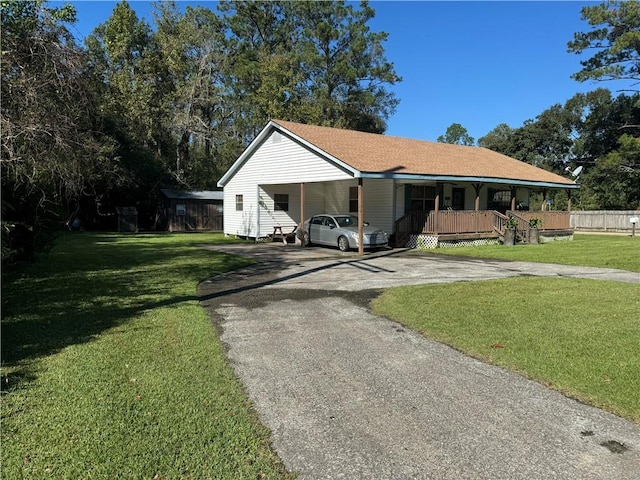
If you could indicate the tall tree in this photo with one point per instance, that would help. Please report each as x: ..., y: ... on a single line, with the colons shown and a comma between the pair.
x: 456, y: 134
x: 264, y: 73
x: 500, y: 139
x: 131, y: 83
x: 311, y: 62
x: 346, y: 72
x: 197, y: 110
x: 614, y: 181
x: 592, y: 130
x: 52, y: 154
x: 124, y: 58
x: 615, y: 36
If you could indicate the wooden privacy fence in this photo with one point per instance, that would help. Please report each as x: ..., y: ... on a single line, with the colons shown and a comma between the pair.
x: 603, y: 219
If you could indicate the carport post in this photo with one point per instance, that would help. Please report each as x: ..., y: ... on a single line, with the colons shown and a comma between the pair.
x: 360, y: 218
x: 301, y: 225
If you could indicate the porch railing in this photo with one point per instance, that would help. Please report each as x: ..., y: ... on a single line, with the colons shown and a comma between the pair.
x: 472, y: 221
x: 550, y: 220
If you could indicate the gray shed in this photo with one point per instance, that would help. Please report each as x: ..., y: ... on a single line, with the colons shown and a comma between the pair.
x: 190, y: 211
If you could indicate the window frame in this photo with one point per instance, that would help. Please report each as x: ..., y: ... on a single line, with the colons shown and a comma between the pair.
x: 280, y: 202
x: 239, y: 203
x: 353, y: 199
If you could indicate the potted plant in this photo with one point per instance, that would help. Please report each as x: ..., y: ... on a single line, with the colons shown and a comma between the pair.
x: 534, y: 230
x: 510, y: 227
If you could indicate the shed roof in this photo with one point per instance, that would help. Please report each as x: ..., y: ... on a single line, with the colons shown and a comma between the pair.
x: 192, y: 195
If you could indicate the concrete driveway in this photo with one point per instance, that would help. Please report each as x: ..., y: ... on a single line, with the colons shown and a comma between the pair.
x: 351, y: 395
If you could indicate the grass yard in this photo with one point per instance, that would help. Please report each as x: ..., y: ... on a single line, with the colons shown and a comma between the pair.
x: 111, y: 368
x: 606, y: 251
x: 580, y: 337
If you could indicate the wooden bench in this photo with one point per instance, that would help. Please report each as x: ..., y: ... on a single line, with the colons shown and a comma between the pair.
x: 288, y: 237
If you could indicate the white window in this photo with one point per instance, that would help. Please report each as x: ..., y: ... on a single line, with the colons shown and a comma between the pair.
x: 239, y: 203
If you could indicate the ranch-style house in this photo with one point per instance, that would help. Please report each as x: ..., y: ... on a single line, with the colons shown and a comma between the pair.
x: 423, y: 193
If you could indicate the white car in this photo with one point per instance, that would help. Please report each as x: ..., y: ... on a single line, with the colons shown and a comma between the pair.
x: 342, y: 231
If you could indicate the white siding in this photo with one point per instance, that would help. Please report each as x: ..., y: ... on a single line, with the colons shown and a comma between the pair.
x: 326, y: 197
x: 378, y: 200
x: 244, y: 223
x: 278, y: 161
x: 378, y: 203
x: 336, y: 199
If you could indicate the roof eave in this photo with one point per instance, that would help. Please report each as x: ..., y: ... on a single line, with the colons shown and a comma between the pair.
x: 457, y: 178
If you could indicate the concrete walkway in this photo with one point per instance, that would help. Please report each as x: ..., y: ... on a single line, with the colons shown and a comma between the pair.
x: 351, y: 395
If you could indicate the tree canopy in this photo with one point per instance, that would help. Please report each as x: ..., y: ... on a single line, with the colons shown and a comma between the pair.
x: 615, y: 38
x: 86, y: 129
x: 456, y: 134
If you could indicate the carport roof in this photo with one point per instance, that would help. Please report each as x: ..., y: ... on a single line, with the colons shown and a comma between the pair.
x: 381, y: 156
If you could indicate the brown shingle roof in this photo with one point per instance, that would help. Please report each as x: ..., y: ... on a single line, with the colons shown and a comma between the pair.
x: 374, y: 153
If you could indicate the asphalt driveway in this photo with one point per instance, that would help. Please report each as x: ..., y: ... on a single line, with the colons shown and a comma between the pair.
x: 351, y: 395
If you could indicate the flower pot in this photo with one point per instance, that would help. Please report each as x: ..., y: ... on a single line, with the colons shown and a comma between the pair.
x: 509, y: 237
x: 534, y: 236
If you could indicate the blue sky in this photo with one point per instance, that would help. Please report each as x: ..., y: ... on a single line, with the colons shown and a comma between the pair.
x: 474, y: 63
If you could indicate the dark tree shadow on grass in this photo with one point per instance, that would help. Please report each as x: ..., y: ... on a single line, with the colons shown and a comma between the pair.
x: 89, y: 285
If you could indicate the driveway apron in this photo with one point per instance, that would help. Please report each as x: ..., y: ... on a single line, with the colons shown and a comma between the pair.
x: 351, y: 395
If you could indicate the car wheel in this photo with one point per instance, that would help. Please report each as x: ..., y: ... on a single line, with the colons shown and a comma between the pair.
x: 343, y: 244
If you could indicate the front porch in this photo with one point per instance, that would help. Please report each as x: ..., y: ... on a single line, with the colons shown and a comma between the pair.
x: 448, y: 228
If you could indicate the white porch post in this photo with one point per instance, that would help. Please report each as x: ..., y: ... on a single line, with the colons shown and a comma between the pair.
x: 360, y: 217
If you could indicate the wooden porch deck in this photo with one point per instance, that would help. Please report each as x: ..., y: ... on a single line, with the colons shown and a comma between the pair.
x: 470, y: 224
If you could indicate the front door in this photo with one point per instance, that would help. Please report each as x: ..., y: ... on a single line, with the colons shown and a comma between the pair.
x: 457, y: 199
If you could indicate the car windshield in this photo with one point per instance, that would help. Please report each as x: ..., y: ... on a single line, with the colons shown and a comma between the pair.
x: 347, y: 221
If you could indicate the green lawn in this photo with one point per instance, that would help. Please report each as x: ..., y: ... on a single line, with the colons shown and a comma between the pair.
x: 607, y: 251
x: 111, y: 368
x: 578, y: 336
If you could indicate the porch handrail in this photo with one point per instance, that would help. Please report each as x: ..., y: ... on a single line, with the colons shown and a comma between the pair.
x: 499, y: 222
x: 473, y: 221
x: 556, y: 220
x: 412, y: 222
